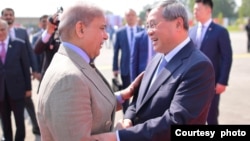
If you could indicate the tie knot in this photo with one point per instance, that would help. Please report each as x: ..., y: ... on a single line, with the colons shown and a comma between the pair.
x: 92, y: 64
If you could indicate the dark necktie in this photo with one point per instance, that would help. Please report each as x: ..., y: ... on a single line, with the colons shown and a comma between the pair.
x: 3, y: 52
x: 131, y: 38
x: 92, y: 64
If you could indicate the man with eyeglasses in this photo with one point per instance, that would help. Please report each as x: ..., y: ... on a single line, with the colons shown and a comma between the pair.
x: 175, y: 88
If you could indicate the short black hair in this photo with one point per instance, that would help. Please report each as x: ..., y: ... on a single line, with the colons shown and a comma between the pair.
x: 43, y: 17
x: 206, y: 2
x: 7, y: 9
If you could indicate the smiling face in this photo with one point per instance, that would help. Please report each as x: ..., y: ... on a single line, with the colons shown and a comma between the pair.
x: 94, y: 36
x: 161, y: 31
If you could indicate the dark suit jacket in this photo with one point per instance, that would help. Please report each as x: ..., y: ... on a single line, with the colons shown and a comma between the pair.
x: 15, y: 74
x: 39, y: 57
x: 47, y: 49
x: 216, y: 45
x: 139, y: 57
x: 181, y: 94
x: 122, y: 43
x: 22, y: 34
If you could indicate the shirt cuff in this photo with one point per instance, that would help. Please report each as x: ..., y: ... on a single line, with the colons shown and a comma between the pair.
x: 119, y: 97
x: 45, y: 36
x: 117, y: 135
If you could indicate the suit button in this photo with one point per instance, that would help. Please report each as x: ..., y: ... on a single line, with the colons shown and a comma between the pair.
x: 108, y: 123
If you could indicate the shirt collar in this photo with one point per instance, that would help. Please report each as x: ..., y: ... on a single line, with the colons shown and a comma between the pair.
x: 77, y: 50
x: 173, y: 52
x: 206, y: 24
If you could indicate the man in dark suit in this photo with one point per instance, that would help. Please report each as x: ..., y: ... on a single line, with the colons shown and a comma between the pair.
x: 124, y: 43
x: 42, y: 25
x: 142, y: 52
x: 47, y: 44
x: 15, y: 83
x: 9, y: 16
x: 175, y: 88
x: 214, y: 42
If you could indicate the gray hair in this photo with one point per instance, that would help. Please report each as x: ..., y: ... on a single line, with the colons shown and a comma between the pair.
x: 173, y: 9
x: 4, y: 23
x: 81, y: 11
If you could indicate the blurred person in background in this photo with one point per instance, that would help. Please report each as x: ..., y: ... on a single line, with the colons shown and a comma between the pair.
x: 42, y: 26
x: 213, y: 40
x: 15, y: 83
x: 142, y: 52
x: 48, y: 43
x: 8, y: 15
x: 123, y: 47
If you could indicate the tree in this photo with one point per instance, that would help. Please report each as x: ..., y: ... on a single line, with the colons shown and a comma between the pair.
x: 244, y: 9
x: 226, y: 7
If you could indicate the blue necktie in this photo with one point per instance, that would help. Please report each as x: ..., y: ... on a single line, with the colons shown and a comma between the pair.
x: 161, y: 65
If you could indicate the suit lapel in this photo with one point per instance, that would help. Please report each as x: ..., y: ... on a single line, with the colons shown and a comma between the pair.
x: 207, y: 35
x: 164, y: 75
x: 9, y: 52
x: 89, y: 73
x: 145, y: 83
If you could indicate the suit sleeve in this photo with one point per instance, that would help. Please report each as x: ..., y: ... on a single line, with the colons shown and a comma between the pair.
x: 134, y: 59
x: 25, y: 67
x: 226, y: 57
x: 32, y: 57
x: 39, y: 46
x: 116, y: 52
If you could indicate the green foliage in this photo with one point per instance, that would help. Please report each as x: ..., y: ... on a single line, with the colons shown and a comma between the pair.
x: 244, y: 9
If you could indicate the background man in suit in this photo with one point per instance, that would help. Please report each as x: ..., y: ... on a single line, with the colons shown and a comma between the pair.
x: 74, y: 101
x: 48, y: 43
x: 214, y: 41
x: 182, y: 91
x: 15, y: 83
x: 142, y: 52
x: 8, y: 15
x: 123, y: 44
x: 42, y: 25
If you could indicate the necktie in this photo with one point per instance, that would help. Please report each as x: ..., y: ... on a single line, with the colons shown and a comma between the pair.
x: 161, y: 65
x: 3, y: 52
x: 131, y: 38
x: 92, y: 64
x: 199, y: 36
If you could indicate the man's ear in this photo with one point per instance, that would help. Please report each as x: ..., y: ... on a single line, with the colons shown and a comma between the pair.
x: 179, y: 22
x: 80, y: 27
